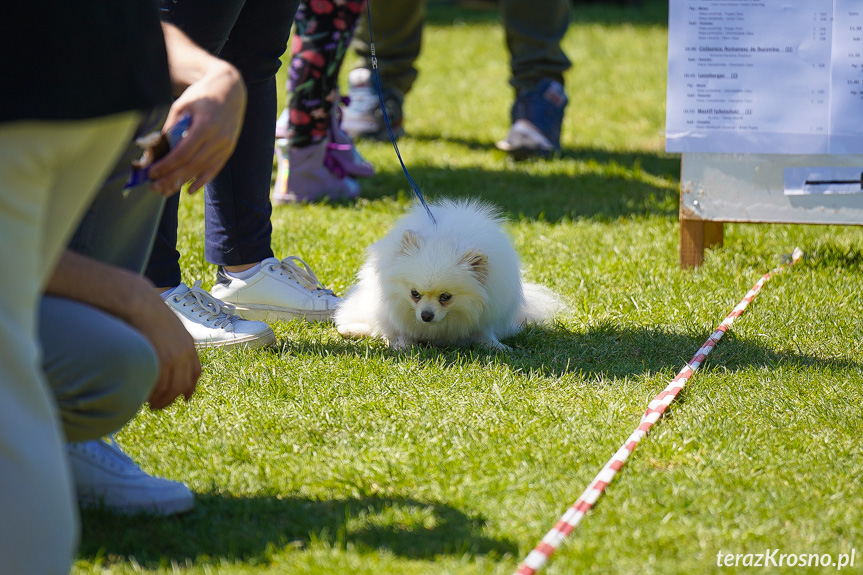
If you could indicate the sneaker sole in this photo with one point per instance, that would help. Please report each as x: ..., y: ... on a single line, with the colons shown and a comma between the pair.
x: 525, y: 152
x: 519, y: 154
x: 157, y: 509
x: 268, y: 313
x: 290, y: 198
x: 247, y: 342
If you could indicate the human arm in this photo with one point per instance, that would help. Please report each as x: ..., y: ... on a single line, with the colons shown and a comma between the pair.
x: 212, y: 92
x: 132, y: 298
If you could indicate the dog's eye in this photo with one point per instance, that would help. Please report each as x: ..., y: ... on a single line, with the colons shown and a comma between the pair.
x: 416, y: 295
x: 444, y: 297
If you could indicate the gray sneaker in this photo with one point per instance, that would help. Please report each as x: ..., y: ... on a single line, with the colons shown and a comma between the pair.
x: 211, y: 325
x: 286, y: 290
x: 106, y: 477
x: 363, y: 118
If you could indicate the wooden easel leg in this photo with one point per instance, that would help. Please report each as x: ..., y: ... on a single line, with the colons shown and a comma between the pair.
x: 695, y: 235
x: 691, y: 243
x: 713, y: 234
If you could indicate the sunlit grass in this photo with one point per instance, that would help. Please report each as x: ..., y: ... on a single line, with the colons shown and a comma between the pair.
x: 330, y: 456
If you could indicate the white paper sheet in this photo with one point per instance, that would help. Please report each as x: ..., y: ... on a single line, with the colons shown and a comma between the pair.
x: 771, y: 76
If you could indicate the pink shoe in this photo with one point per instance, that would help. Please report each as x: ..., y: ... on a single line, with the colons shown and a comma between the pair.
x: 304, y: 175
x: 344, y: 159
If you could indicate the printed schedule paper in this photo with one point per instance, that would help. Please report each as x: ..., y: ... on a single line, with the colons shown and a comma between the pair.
x: 770, y: 76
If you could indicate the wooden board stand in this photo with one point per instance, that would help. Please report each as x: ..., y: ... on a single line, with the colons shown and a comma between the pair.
x: 750, y: 188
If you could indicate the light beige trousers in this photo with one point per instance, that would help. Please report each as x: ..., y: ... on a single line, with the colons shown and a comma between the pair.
x: 49, y: 172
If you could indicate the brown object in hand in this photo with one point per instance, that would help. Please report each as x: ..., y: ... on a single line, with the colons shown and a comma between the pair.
x: 155, y: 146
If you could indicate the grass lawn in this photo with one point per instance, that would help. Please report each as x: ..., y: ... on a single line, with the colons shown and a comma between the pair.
x: 328, y: 456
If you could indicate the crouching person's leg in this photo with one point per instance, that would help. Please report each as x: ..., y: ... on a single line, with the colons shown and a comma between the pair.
x: 113, y: 364
x: 102, y: 371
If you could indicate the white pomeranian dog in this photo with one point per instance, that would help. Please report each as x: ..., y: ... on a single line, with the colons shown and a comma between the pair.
x: 457, y: 282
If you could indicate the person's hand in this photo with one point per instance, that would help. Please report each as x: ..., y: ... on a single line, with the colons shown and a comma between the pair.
x: 179, y: 366
x: 133, y: 299
x: 216, y: 104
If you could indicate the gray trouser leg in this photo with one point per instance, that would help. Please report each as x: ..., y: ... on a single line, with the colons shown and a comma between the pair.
x: 100, y: 369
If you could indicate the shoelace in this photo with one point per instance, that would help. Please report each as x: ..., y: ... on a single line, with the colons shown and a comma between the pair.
x: 203, y: 304
x: 302, y: 275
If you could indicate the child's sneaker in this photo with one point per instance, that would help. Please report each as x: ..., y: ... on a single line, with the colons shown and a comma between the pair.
x: 309, y: 174
x: 537, y: 116
x: 363, y: 117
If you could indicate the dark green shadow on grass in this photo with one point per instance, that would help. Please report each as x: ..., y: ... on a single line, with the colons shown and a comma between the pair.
x: 658, y: 164
x: 603, y: 351
x: 249, y: 529
x: 617, y: 352
x: 615, y: 188
x: 833, y: 256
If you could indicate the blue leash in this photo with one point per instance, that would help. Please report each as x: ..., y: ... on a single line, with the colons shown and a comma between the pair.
x: 414, y: 186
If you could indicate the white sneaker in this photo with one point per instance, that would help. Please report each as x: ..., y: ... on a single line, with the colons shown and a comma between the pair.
x: 106, y: 477
x: 279, y: 290
x: 210, y: 324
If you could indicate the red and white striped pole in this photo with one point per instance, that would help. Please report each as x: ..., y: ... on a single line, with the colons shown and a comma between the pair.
x: 537, y: 558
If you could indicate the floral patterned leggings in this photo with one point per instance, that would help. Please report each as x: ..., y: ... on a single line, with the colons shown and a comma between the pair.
x: 323, y: 32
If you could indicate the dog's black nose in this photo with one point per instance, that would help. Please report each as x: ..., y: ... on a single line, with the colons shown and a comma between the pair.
x: 427, y: 316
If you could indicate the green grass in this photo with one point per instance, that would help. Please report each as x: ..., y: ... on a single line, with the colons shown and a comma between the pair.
x: 329, y: 456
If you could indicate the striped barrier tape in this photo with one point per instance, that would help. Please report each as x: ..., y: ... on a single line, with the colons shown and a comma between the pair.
x: 537, y: 558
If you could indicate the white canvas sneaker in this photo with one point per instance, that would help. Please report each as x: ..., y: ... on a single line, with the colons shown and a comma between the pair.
x: 106, y: 477
x: 211, y: 324
x: 285, y: 290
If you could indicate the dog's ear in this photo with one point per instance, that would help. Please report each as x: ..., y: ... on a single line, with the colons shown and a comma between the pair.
x: 477, y: 261
x: 410, y: 242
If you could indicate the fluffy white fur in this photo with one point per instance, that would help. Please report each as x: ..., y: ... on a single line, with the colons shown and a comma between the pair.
x: 458, y: 282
